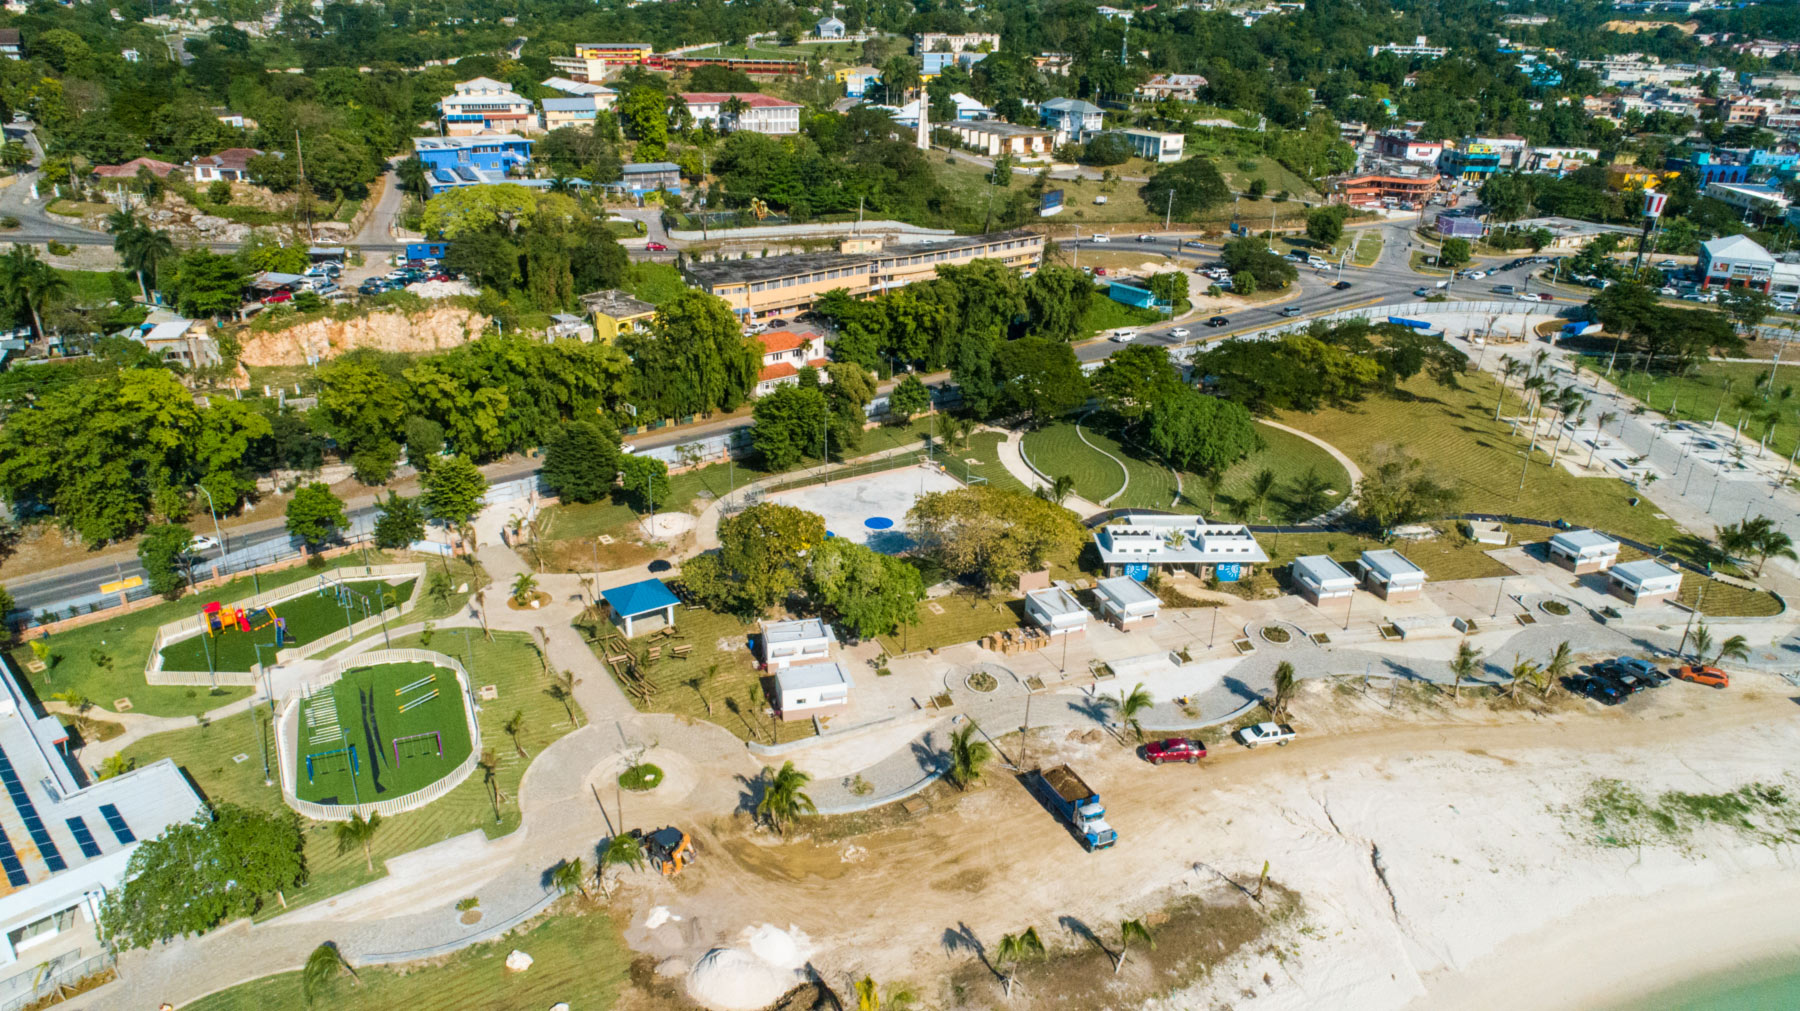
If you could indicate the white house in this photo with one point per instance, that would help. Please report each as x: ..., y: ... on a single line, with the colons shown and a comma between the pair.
x: 1388, y: 573
x: 1319, y: 578
x: 829, y: 28
x: 1135, y: 543
x: 806, y: 689
x: 994, y: 137
x: 565, y: 326
x: 967, y: 110
x: 1125, y: 601
x: 1584, y: 551
x: 484, y: 105
x: 1073, y: 120
x: 784, y: 352
x: 933, y: 42
x: 1644, y: 582
x: 1156, y: 145
x: 64, y: 845
x: 1185, y: 87
x: 786, y: 643
x: 230, y: 165
x: 761, y: 113
x: 173, y: 339
x: 1056, y: 611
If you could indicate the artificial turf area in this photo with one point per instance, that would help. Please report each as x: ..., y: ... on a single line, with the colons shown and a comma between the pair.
x: 384, y: 714
x: 308, y: 617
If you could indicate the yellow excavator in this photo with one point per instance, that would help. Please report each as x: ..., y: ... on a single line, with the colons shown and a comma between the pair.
x: 669, y: 849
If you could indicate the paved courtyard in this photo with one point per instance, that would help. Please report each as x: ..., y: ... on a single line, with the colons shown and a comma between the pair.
x: 870, y: 510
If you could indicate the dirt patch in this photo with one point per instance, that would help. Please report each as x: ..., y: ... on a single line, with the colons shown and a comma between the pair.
x: 434, y: 329
x: 970, y: 880
x: 538, y: 600
x: 786, y: 861
x: 470, y: 917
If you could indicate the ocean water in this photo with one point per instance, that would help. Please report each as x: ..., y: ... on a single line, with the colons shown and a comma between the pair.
x: 1774, y: 988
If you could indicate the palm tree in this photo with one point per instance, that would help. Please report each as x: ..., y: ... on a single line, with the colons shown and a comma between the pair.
x: 14, y: 155
x: 783, y: 796
x: 1464, y: 666
x: 1013, y: 949
x: 870, y: 998
x: 481, y: 611
x: 968, y: 753
x: 699, y: 682
x: 1128, y: 931
x: 513, y: 727
x: 323, y: 967
x: 1260, y: 487
x: 622, y: 850
x: 411, y: 174
x: 358, y: 832
x: 562, y: 689
x: 524, y: 588
x: 1510, y: 368
x: 570, y: 877
x: 1703, y: 641
x: 1284, y: 689
x: 732, y: 109
x: 29, y: 282
x: 1059, y: 489
x: 1737, y: 647
x: 1214, y: 480
x: 1525, y: 672
x: 1561, y: 661
x: 489, y: 764
x: 141, y: 249
x: 1130, y: 705
x: 1606, y: 418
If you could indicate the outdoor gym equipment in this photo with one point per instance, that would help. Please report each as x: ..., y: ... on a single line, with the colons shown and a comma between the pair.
x: 422, y: 682
x: 355, y: 766
x: 421, y: 700
x: 435, y: 735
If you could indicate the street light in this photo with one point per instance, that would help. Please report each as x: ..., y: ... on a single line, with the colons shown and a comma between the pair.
x: 217, y: 533
x: 268, y: 690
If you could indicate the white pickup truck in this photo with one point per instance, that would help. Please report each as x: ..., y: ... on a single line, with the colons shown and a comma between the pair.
x: 1278, y: 734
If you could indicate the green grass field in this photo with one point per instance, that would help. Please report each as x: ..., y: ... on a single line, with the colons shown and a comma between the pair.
x: 1285, y: 455
x: 1368, y: 248
x: 1056, y: 450
x: 382, y: 712
x: 308, y: 617
x: 207, y: 754
x: 578, y: 957
x: 964, y: 617
x: 1713, y: 388
x: 1103, y: 314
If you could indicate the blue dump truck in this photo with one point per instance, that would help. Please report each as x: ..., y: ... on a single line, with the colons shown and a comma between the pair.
x: 1076, y: 803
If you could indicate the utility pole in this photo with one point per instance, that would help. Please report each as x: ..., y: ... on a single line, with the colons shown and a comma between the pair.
x: 1169, y: 209
x: 305, y: 193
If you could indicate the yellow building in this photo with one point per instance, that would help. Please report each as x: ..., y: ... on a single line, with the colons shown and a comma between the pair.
x: 1631, y: 177
x: 780, y: 285
x: 616, y: 313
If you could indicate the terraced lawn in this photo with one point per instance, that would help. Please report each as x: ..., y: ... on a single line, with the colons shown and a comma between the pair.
x: 1056, y: 450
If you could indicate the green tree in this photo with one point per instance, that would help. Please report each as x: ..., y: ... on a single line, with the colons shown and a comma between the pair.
x: 645, y: 479
x: 1168, y: 287
x: 204, y: 283
x: 969, y: 753
x: 1195, y: 432
x: 1736, y: 647
x: 324, y: 967
x: 163, y: 552
x: 358, y: 832
x: 454, y: 490
x: 223, y: 864
x: 581, y: 460
x: 1055, y: 299
x: 514, y: 728
x: 1185, y: 189
x: 694, y: 359
x: 784, y: 799
x: 1398, y: 489
x: 1137, y: 379
x: 622, y: 850
x: 1013, y: 949
x: 761, y: 558
x: 993, y: 534
x: 1561, y: 662
x: 1454, y: 253
x: 1325, y: 225
x: 29, y: 283
x: 315, y: 515
x: 1040, y: 379
x: 1130, y: 706
x: 1285, y: 684
x: 1464, y: 666
x: 400, y: 522
x: 789, y: 425
x: 524, y: 588
x: 570, y: 877
x: 870, y: 593
x: 908, y: 398
x: 1129, y: 931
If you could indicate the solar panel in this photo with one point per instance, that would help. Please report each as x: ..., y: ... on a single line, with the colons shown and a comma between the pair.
x: 28, y: 814
x: 9, y: 860
x: 116, y: 822
x: 83, y: 838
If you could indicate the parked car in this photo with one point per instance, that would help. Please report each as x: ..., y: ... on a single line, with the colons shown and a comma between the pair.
x: 1179, y: 333
x: 1278, y: 734
x: 1099, y: 271
x: 1123, y: 336
x: 1217, y: 321
x: 438, y: 277
x: 655, y: 247
x: 1702, y: 675
x: 280, y: 296
x: 1667, y: 265
x: 1632, y: 665
x: 1175, y: 749
x: 1594, y: 688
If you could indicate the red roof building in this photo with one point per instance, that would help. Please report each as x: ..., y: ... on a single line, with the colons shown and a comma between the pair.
x: 129, y: 170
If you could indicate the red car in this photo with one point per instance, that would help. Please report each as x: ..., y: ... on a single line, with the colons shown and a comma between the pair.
x: 1101, y: 271
x: 655, y: 247
x: 1175, y: 749
x: 438, y: 277
x: 280, y: 296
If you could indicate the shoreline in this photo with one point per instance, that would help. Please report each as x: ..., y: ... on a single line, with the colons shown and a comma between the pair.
x: 1607, y: 954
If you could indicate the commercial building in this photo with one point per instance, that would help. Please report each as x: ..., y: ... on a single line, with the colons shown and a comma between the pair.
x: 941, y: 42
x: 1644, y: 582
x: 808, y: 689
x: 1183, y: 87
x: 452, y: 162
x: 1406, y: 148
x: 1388, y: 574
x: 784, y: 354
x: 1137, y: 543
x: 580, y: 88
x: 994, y: 137
x: 1124, y: 601
x: 1751, y: 199
x: 1419, y: 46
x: 65, y: 843
x: 968, y: 110
x: 857, y: 80
x: 1318, y: 578
x: 577, y: 112
x: 1055, y: 611
x: 784, y: 644
x: 1156, y: 145
x: 615, y: 313
x: 1402, y: 191
x: 1583, y: 551
x: 1736, y: 261
x: 484, y: 105
x: 1457, y: 226
x: 761, y: 113
x: 1073, y: 119
x: 592, y: 61
x: 779, y: 285
x: 1471, y: 160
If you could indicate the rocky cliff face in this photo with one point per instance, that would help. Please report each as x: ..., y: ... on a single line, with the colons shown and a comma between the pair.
x: 430, y: 330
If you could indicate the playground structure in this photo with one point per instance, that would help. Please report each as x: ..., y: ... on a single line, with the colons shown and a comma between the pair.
x: 222, y: 618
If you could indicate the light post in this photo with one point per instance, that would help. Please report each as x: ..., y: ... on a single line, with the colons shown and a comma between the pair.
x: 268, y: 690
x: 1498, y: 595
x: 217, y: 533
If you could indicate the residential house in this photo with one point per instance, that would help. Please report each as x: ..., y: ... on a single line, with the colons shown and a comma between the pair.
x: 566, y: 326
x: 1073, y: 120
x: 615, y: 313
x: 582, y: 89
x: 761, y: 113
x: 784, y: 353
x: 784, y: 644
x: 1134, y: 544
x: 1124, y: 601
x: 230, y: 165
x: 453, y: 162
x: 994, y: 137
x: 1583, y: 551
x: 129, y: 170
x: 933, y: 64
x: 10, y: 46
x: 1751, y: 199
x: 237, y: 120
x: 173, y: 339
x: 1318, y: 578
x: 484, y: 105
x: 1055, y: 611
x: 955, y: 42
x: 1155, y: 145
x: 1405, y: 147
x: 829, y: 28
x: 857, y: 80
x: 1184, y: 87
x: 968, y: 110
x: 1644, y: 582
x: 577, y: 112
x: 639, y: 178
x: 1388, y: 574
x: 1471, y: 160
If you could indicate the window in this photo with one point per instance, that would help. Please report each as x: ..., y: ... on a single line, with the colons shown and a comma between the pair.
x: 49, y: 926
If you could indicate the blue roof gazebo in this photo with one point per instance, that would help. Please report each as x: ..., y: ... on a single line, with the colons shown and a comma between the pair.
x: 635, y: 600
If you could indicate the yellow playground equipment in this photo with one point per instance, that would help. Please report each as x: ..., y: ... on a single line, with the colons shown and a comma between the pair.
x: 223, y: 618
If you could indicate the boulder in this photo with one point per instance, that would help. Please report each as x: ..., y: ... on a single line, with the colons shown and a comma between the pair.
x: 518, y: 961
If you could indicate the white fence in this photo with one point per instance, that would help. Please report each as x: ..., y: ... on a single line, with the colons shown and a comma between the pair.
x: 287, y: 737
x: 184, y: 628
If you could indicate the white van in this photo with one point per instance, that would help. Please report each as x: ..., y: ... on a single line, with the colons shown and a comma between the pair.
x: 1123, y: 336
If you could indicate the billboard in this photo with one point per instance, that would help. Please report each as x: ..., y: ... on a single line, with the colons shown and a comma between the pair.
x: 1653, y: 203
x: 1050, y: 203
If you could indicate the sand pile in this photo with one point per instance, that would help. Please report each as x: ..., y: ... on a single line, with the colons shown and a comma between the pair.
x: 767, y: 963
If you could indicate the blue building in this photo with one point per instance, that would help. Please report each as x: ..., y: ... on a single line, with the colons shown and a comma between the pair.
x: 936, y: 62
x: 1133, y: 294
x: 1471, y: 160
x: 453, y: 162
x: 1709, y: 168
x: 426, y: 250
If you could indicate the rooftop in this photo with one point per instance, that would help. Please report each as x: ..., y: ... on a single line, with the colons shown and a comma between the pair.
x: 828, y: 674
x: 458, y: 143
x: 1391, y: 563
x: 644, y: 167
x: 1644, y: 570
x: 1323, y: 570
x: 777, y: 633
x: 585, y: 103
x: 1126, y: 591
x: 573, y: 87
x: 777, y: 341
x: 1056, y: 602
x: 764, y: 268
x: 615, y: 303
x: 753, y: 99
x: 1579, y: 540
x: 640, y: 597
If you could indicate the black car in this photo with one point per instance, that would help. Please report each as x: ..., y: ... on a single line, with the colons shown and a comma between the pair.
x: 1597, y: 689
x: 1217, y: 321
x: 1342, y: 285
x: 1621, y: 682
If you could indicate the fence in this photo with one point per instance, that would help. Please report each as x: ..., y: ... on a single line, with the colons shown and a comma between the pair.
x: 288, y: 726
x: 39, y: 983
x: 183, y: 628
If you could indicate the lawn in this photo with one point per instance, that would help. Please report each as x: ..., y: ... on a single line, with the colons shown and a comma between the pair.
x: 1726, y: 601
x: 308, y: 617
x: 964, y: 617
x: 1713, y: 388
x: 1452, y: 432
x: 1103, y: 315
x: 1056, y: 450
x: 1419, y: 264
x: 580, y: 959
x: 1284, y: 454
x: 718, y: 682
x: 1275, y: 176
x: 91, y: 287
x: 654, y: 282
x: 510, y: 663
x: 405, y: 721
x: 105, y: 660
x: 1368, y: 248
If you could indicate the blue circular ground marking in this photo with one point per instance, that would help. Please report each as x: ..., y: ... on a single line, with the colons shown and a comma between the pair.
x: 878, y: 523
